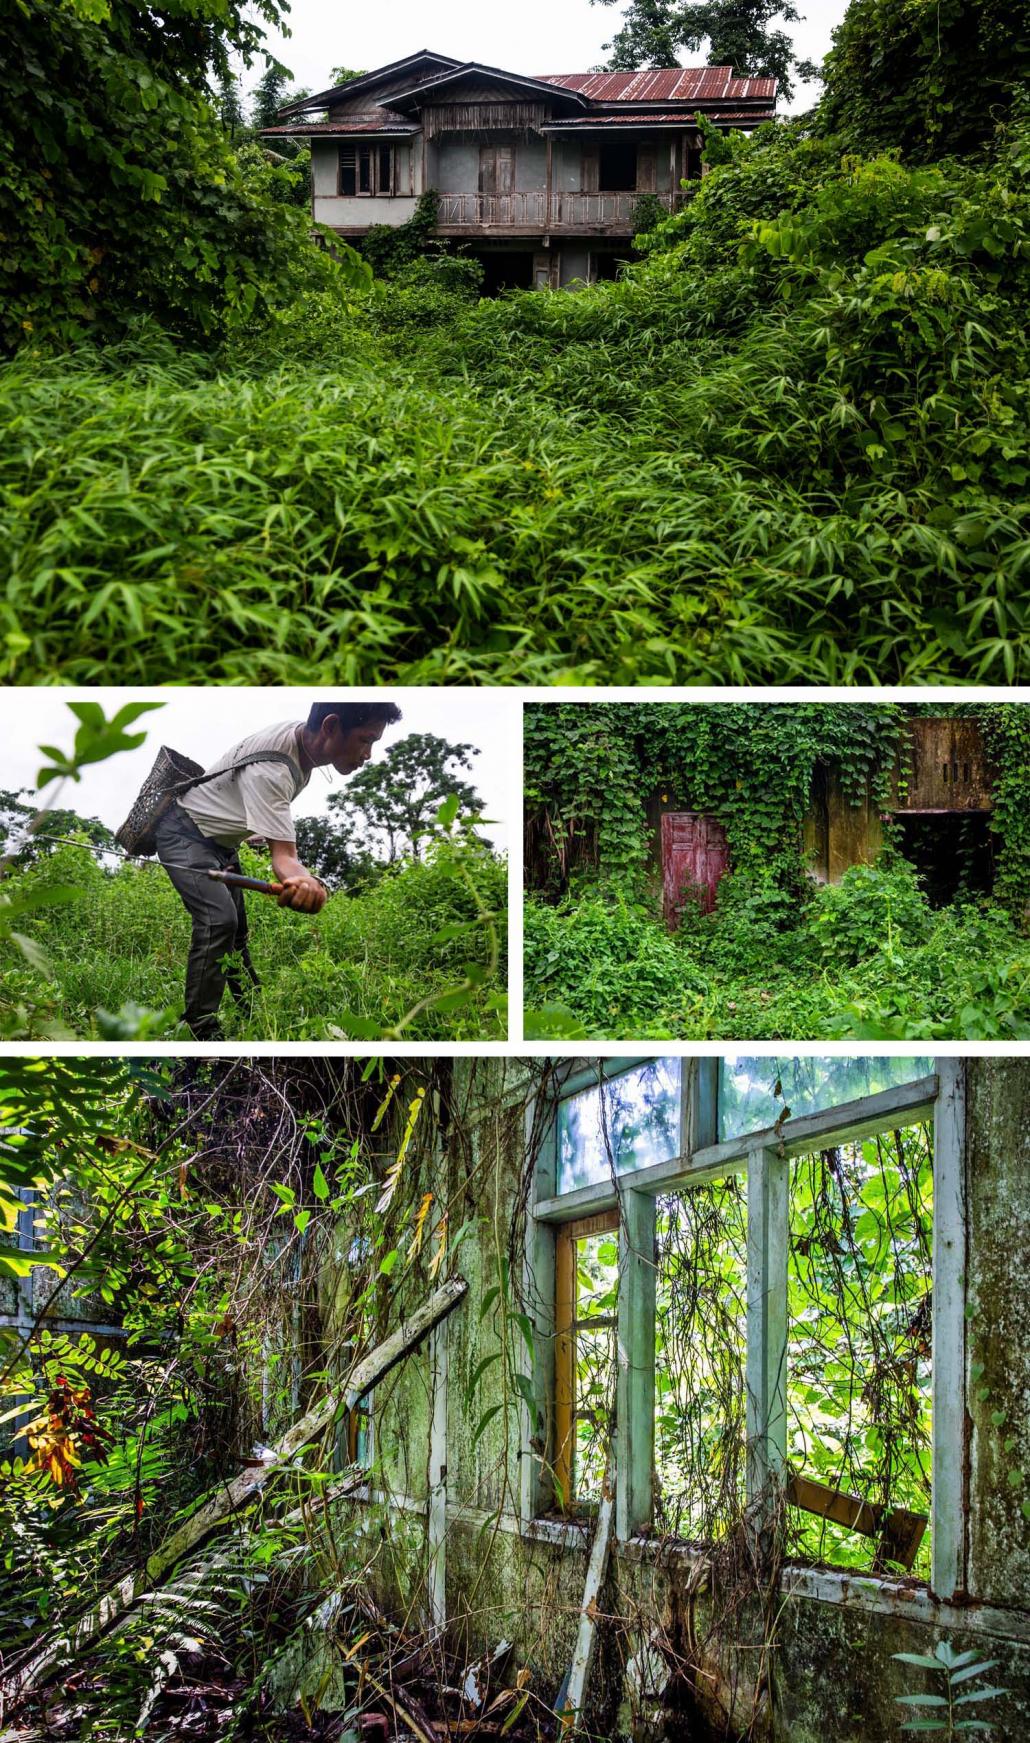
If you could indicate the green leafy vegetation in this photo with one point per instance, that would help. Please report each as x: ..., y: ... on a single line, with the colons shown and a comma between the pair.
x: 413, y: 942
x: 421, y: 951
x: 867, y: 957
x: 791, y: 440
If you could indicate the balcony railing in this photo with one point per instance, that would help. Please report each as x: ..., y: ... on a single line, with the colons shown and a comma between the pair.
x: 529, y: 211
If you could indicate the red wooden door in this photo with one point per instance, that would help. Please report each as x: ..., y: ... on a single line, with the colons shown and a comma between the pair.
x: 694, y: 856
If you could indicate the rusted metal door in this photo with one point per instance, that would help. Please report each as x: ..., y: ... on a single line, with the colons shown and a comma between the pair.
x: 694, y: 856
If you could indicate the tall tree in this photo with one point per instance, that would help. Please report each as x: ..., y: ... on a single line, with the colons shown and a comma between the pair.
x: 739, y: 34
x: 230, y: 103
x: 395, y: 801
x: 120, y: 194
x: 270, y: 93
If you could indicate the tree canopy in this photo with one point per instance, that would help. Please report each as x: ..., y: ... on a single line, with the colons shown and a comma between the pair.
x: 738, y: 33
x: 121, y: 194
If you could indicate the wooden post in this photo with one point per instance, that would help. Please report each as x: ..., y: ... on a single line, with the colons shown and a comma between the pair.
x: 573, y: 1693
x: 635, y: 1365
x: 538, y: 1286
x: 767, y: 1242
x: 948, y: 1575
x: 436, y: 1523
x: 564, y: 1363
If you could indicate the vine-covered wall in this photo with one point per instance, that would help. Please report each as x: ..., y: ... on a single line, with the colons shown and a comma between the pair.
x: 598, y: 776
x: 505, y: 1584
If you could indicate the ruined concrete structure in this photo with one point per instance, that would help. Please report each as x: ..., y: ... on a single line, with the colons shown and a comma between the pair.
x: 469, y: 1532
x: 942, y: 779
x: 540, y: 177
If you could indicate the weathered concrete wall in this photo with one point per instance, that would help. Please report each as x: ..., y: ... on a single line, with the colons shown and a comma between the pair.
x: 998, y: 1296
x: 835, y: 1678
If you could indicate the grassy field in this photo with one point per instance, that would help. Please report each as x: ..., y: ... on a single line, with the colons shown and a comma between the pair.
x: 115, y: 957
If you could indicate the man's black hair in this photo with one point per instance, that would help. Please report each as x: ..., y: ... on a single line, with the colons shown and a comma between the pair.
x: 352, y: 714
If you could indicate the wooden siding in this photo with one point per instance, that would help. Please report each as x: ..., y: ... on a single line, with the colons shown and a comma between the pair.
x: 944, y: 768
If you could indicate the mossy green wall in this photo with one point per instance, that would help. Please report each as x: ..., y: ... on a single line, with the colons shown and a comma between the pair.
x: 834, y: 1676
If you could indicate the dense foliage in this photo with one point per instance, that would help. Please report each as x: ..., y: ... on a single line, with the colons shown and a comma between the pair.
x: 111, y: 960
x: 792, y: 440
x: 934, y: 80
x: 121, y: 192
x: 778, y: 956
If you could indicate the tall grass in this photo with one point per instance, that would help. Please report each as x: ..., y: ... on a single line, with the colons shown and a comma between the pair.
x: 359, y: 967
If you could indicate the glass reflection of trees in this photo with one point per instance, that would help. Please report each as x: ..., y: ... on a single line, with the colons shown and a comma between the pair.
x: 627, y: 1122
x: 754, y: 1092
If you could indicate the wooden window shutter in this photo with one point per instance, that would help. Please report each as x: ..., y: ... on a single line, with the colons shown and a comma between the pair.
x: 590, y: 173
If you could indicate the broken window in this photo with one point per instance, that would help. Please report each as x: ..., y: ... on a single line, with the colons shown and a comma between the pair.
x: 858, y: 1355
x: 586, y: 1306
x: 782, y: 1288
x: 617, y: 166
x: 700, y: 1358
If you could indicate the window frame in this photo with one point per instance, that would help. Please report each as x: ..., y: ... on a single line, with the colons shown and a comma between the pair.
x: 764, y: 1158
x: 376, y: 149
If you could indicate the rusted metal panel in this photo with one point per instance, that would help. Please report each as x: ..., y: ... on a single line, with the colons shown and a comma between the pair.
x: 943, y: 768
x: 695, y: 854
x: 663, y: 84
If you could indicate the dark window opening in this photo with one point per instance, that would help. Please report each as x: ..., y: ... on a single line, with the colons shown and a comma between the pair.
x: 506, y: 271
x: 607, y: 266
x: 385, y: 169
x: 953, y: 854
x: 348, y: 170
x: 617, y: 169
x: 364, y: 170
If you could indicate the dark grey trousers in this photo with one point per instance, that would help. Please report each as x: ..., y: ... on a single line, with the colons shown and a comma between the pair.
x: 219, y: 920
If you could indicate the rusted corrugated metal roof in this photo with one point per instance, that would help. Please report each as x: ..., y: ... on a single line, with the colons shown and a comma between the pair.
x: 591, y: 123
x: 382, y: 122
x: 662, y: 84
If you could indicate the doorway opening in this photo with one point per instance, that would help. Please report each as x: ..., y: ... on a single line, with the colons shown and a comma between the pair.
x: 507, y: 270
x: 952, y: 852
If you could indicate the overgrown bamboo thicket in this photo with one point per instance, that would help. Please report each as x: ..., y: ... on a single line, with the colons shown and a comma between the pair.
x: 792, y: 440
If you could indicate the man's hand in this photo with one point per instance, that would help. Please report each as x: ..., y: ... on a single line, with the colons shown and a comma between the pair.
x: 300, y: 890
x: 303, y: 892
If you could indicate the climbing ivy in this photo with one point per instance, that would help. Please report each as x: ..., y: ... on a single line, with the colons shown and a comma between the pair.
x: 591, y: 769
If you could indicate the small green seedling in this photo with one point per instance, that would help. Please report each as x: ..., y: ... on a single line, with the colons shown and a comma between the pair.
x: 945, y: 1712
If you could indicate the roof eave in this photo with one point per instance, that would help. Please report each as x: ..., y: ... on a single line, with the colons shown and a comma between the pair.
x: 467, y: 68
x: 322, y: 99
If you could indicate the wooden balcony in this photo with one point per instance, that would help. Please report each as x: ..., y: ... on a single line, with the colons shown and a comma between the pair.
x: 530, y: 214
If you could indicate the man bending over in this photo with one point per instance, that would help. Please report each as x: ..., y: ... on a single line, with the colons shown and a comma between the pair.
x: 204, y: 828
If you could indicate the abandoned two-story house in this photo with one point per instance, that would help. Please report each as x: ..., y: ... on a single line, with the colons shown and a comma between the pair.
x: 540, y: 177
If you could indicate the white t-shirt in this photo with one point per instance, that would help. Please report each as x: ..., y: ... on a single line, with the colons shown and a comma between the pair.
x: 256, y: 800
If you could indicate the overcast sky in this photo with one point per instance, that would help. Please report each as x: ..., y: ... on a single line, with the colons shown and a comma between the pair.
x: 205, y: 722
x: 536, y: 36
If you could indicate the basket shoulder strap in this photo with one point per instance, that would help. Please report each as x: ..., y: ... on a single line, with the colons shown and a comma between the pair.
x: 256, y: 756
